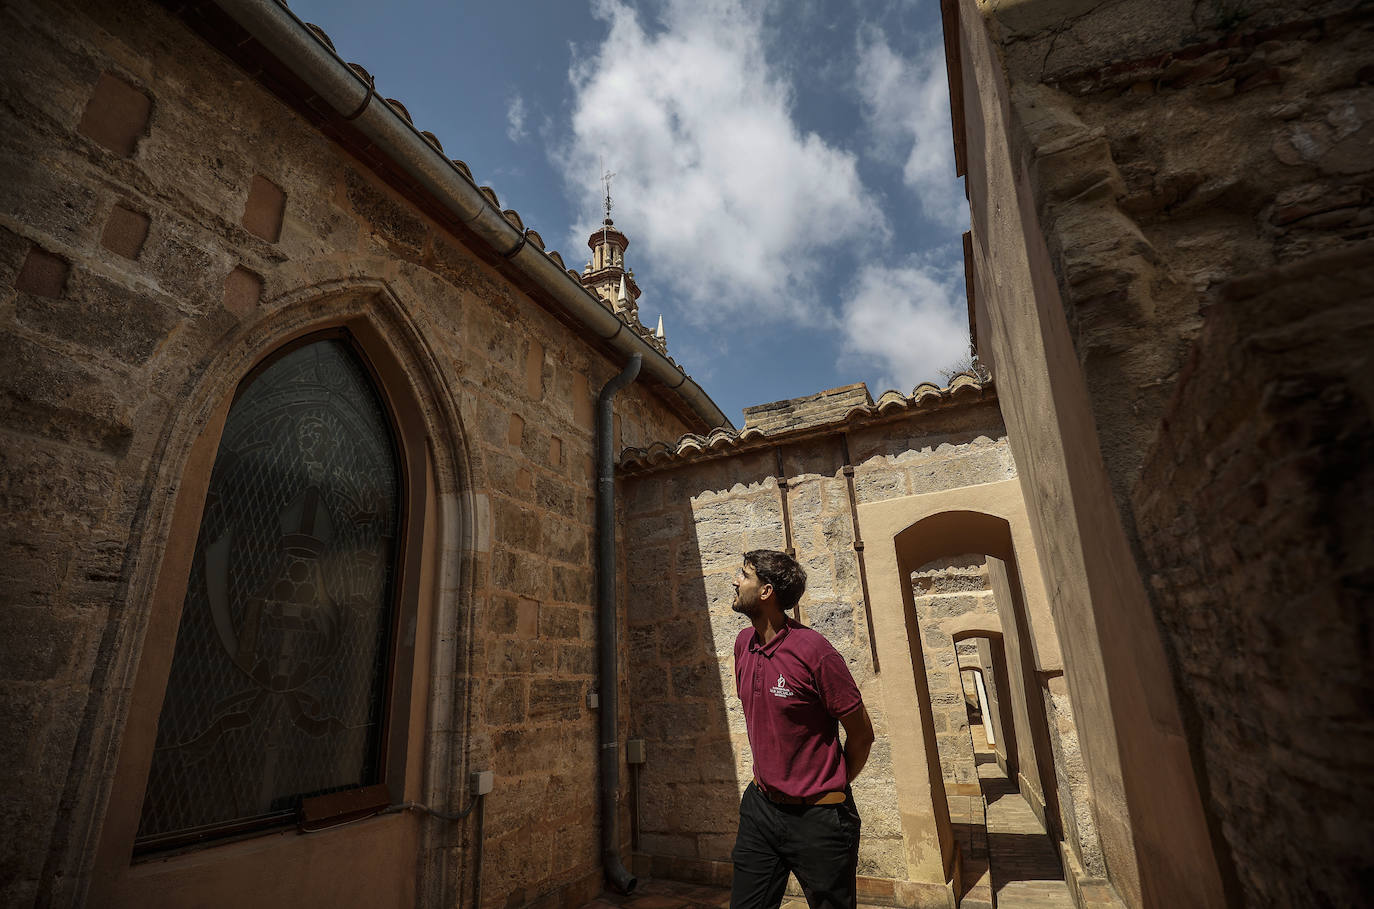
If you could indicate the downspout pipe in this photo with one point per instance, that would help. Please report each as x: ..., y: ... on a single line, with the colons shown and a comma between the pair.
x: 607, y: 651
x: 335, y: 84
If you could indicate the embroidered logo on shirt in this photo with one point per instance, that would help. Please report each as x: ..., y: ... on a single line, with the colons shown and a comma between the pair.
x: 781, y: 690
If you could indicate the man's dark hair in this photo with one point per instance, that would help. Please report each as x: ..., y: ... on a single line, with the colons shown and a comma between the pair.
x: 782, y: 571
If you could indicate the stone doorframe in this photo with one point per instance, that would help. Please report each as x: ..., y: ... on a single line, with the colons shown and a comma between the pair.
x: 892, y: 556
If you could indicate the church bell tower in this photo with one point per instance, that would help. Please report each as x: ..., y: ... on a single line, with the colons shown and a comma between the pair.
x: 607, y: 277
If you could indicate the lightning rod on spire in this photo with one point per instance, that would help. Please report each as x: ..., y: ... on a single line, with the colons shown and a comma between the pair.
x: 605, y: 233
x: 606, y: 177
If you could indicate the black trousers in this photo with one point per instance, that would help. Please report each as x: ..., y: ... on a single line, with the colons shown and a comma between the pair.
x: 817, y: 843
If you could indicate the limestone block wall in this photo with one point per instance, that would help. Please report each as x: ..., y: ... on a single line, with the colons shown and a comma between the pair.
x: 1182, y: 199
x: 686, y: 526
x: 182, y: 222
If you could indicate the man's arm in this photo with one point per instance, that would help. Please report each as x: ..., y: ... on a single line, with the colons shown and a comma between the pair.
x: 858, y: 740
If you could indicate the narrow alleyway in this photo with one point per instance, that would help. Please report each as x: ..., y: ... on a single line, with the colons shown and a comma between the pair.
x: 1026, y: 873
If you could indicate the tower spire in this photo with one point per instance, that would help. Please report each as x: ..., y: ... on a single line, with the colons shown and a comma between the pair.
x: 606, y: 274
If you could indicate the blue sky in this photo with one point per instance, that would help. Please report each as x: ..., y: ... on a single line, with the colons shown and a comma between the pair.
x: 784, y: 168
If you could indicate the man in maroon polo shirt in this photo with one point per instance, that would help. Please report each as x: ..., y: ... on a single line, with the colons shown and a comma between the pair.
x: 798, y: 814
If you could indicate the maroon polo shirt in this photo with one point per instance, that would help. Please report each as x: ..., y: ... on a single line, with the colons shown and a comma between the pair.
x: 794, y: 690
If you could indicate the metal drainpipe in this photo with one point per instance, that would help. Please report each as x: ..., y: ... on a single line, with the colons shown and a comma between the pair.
x: 619, y: 878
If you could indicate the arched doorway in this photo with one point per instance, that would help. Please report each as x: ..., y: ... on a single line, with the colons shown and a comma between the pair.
x: 963, y: 532
x: 989, y: 522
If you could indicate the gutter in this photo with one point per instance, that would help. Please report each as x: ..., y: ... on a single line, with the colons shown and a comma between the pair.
x: 608, y: 721
x: 351, y: 97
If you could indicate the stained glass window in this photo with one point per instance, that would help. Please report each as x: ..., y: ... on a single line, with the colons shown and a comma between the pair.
x: 278, y: 683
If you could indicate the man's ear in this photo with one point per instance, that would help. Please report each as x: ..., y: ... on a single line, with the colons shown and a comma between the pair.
x: 766, y: 591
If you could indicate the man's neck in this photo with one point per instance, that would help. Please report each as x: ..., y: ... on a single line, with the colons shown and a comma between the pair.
x: 768, y: 624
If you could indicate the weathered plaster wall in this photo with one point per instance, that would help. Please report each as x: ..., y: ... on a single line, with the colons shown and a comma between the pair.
x: 1252, y: 456
x: 1171, y: 216
x: 686, y: 528
x: 189, y: 220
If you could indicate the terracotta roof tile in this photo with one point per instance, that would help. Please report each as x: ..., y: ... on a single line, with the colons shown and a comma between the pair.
x: 926, y: 397
x: 320, y: 33
x: 361, y: 71
x: 400, y: 109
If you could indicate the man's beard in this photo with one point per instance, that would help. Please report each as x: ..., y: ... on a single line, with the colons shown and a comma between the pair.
x: 748, y: 610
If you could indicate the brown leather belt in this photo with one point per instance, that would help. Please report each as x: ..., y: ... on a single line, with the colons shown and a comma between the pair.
x: 824, y: 798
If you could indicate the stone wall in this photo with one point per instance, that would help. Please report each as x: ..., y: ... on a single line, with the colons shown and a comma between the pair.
x: 687, y: 524
x: 1244, y: 474
x: 1181, y: 198
x: 161, y: 216
x: 1253, y: 512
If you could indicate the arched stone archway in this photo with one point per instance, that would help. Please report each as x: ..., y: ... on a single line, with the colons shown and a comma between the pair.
x: 989, y: 535
x: 989, y: 520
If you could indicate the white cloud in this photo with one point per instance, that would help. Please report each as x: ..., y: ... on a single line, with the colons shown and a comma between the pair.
x: 716, y: 186
x: 515, y: 119
x: 904, y: 324
x: 906, y: 105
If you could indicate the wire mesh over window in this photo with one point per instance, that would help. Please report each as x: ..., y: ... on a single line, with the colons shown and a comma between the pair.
x: 278, y: 681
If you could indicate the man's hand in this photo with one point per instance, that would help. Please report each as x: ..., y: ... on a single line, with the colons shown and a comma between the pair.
x: 858, y: 740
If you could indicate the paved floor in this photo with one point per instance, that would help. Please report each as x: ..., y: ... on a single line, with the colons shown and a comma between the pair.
x: 660, y: 894
x: 1025, y: 864
x: 1026, y: 873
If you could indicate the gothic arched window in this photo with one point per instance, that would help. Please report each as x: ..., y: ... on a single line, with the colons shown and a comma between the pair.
x: 278, y: 688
